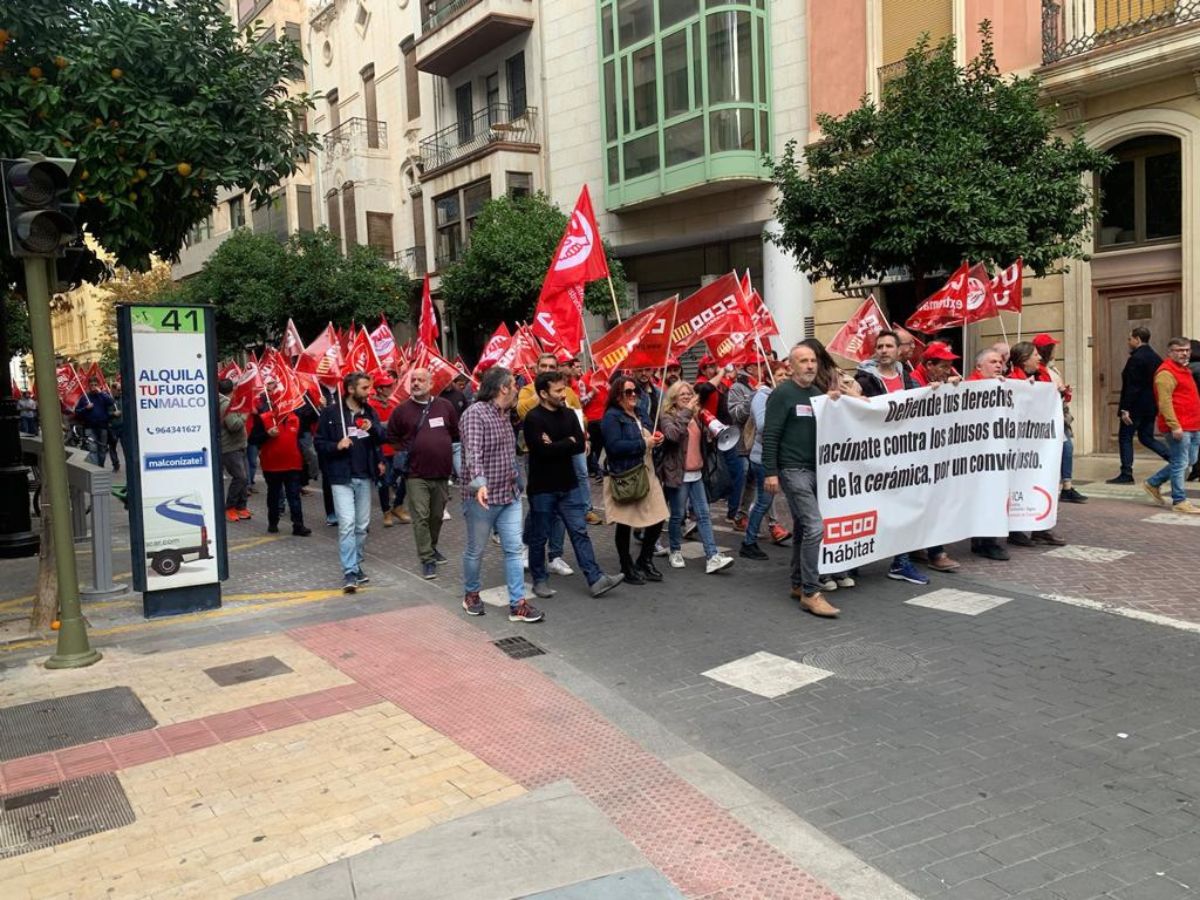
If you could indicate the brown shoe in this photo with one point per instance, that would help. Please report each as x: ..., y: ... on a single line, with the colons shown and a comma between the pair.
x: 1155, y: 492
x: 944, y: 563
x: 400, y: 514
x: 593, y: 518
x: 818, y: 605
x: 1047, y: 537
x: 388, y: 519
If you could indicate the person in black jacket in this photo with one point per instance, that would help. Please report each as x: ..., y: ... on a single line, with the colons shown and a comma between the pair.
x: 1137, y: 407
x: 348, y: 438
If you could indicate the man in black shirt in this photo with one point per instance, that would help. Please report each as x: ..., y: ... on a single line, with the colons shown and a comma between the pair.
x: 553, y: 436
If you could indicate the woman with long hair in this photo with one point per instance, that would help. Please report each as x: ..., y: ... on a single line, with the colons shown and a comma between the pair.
x: 628, y: 445
x: 683, y: 475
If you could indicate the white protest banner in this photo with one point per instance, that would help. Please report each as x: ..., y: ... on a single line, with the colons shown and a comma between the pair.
x: 915, y: 469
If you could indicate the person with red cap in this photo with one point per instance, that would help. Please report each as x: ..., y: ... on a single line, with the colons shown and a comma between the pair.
x: 1045, y: 345
x: 674, y: 372
x: 937, y: 365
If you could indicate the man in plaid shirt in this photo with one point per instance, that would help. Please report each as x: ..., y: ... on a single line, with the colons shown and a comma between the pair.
x: 492, y: 492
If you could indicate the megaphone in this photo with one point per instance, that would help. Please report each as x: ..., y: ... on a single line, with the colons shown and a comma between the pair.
x: 726, y: 436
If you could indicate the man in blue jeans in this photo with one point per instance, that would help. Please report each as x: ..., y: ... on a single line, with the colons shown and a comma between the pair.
x: 492, y: 492
x: 555, y: 438
x: 348, y: 437
x: 1178, y: 398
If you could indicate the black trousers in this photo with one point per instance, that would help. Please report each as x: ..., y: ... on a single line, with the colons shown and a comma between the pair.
x: 283, y: 483
x: 649, y: 537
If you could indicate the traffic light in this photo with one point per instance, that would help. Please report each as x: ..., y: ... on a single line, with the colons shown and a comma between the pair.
x: 40, y: 217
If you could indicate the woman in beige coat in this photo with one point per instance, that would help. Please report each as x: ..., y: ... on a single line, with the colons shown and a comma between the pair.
x: 628, y: 444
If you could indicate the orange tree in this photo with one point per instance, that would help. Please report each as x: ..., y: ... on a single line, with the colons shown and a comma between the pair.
x: 162, y: 102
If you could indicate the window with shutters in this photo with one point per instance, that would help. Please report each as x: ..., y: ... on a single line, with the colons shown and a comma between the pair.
x: 904, y: 21
x: 333, y: 212
x: 514, y: 73
x: 349, y: 215
x: 412, y: 85
x: 520, y: 184
x: 304, y: 208
x: 379, y: 233
x: 370, y: 107
x: 335, y: 117
x: 237, y: 212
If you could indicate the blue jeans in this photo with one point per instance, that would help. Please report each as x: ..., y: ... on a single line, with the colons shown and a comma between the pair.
x: 1183, y: 456
x: 557, y: 539
x: 251, y: 462
x: 1068, y: 459
x: 566, y: 507
x: 762, y: 503
x: 736, y: 463
x: 352, y: 506
x: 1143, y: 427
x: 506, y: 522
x: 580, y: 461
x: 677, y: 499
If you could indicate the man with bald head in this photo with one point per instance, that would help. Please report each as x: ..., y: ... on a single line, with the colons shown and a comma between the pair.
x: 423, y: 430
x: 905, y: 347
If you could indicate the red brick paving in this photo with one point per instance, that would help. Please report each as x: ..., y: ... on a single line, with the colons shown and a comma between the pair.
x: 1160, y: 577
x: 446, y: 673
x: 142, y: 747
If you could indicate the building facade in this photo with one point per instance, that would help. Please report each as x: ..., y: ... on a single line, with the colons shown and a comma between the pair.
x: 1126, y: 72
x: 292, y: 207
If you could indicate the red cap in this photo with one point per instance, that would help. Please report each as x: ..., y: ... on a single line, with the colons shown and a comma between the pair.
x: 383, y: 379
x: 939, y: 350
x: 1044, y: 340
x: 673, y: 363
x: 706, y: 361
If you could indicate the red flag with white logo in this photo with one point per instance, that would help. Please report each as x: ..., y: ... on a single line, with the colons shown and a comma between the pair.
x: 70, y: 388
x: 93, y: 371
x: 493, y: 349
x: 323, y: 358
x: 385, y: 344
x: 617, y: 348
x: 1007, y: 286
x: 228, y: 369
x: 981, y: 301
x: 284, y: 389
x: 441, y: 370
x: 578, y: 259
x: 521, y: 353
x: 291, y: 345
x: 943, y: 309
x: 461, y: 365
x: 246, y: 391
x: 361, y: 356
x: 653, y: 349
x: 855, y: 340
x: 717, y: 308
x: 427, y: 327
x: 558, y: 318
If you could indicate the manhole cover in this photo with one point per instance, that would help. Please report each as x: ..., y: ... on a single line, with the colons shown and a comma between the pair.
x: 863, y: 662
x: 67, y: 811
x: 66, y: 721
x: 519, y: 647
x: 247, y: 670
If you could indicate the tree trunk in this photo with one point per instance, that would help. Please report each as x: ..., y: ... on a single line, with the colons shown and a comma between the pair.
x: 45, y: 600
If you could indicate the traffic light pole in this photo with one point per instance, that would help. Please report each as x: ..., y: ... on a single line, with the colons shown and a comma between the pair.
x: 73, y: 650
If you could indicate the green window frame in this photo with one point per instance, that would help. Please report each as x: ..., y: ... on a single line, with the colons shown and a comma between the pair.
x: 685, y: 91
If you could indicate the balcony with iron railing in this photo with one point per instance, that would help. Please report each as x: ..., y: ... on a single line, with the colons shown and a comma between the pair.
x: 455, y: 33
x: 494, y: 128
x: 412, y: 260
x: 1071, y: 28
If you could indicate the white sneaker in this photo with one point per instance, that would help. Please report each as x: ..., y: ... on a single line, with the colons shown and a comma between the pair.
x: 676, y: 560
x: 846, y: 581
x: 495, y: 539
x: 559, y: 566
x: 827, y: 583
x: 445, y: 515
x: 659, y: 549
x: 717, y: 563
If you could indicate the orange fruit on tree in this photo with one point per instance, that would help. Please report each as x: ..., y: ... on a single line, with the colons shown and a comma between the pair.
x: 141, y: 173
x: 35, y: 72
x: 184, y: 169
x: 117, y: 73
x: 60, y: 62
x: 55, y: 625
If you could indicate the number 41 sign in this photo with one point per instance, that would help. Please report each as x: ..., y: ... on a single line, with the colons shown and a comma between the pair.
x: 171, y: 408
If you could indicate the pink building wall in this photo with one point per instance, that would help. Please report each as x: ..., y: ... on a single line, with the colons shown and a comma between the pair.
x: 837, y: 56
x: 1016, y: 30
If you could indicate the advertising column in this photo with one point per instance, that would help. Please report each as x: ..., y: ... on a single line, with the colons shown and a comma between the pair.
x: 168, y: 374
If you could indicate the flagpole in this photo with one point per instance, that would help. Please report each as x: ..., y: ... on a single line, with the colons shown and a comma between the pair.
x: 1019, y: 327
x: 1003, y: 330
x: 341, y: 409
x: 666, y: 362
x: 613, y: 293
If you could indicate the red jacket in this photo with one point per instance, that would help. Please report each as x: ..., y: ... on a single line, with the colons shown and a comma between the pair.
x: 282, y: 452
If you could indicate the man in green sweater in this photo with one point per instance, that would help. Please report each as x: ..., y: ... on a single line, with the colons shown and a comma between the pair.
x: 790, y: 461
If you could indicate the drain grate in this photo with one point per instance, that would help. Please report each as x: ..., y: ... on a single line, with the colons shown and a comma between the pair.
x: 247, y: 670
x: 65, y: 812
x: 519, y: 647
x: 862, y: 661
x: 60, y: 722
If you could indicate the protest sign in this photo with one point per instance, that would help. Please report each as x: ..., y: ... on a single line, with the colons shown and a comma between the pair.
x: 930, y: 466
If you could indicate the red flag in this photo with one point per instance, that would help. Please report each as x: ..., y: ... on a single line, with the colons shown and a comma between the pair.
x: 229, y: 369
x: 427, y: 328
x: 521, y: 353
x: 246, y: 391
x: 93, y: 371
x: 578, y: 259
x: 284, y: 390
x: 493, y: 349
x: 343, y: 340
x: 617, y: 347
x: 385, y: 344
x: 323, y: 358
x: 1006, y: 287
x: 856, y: 338
x: 981, y: 301
x: 717, y: 308
x: 461, y: 365
x: 441, y: 371
x: 70, y: 389
x: 291, y: 346
x: 653, y: 349
x: 361, y: 357
x: 558, y: 318
x: 918, y: 350
x: 945, y: 308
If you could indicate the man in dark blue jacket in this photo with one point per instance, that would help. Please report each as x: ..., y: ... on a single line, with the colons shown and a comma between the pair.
x: 348, y: 438
x: 94, y: 412
x: 1136, y: 406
